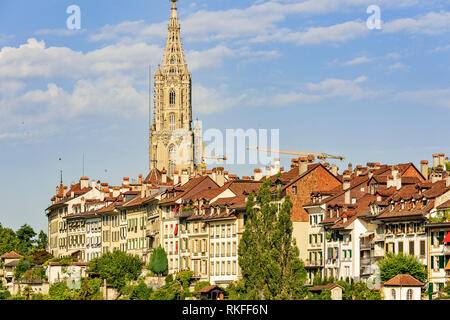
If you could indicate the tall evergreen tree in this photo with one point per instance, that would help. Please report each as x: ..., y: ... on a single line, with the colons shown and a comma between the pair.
x: 268, y: 256
x: 158, y: 261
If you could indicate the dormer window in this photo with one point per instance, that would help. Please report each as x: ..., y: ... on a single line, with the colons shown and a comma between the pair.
x: 403, y: 205
x: 294, y: 190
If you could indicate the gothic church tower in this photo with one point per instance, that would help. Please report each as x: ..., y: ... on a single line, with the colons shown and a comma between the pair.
x: 171, y: 134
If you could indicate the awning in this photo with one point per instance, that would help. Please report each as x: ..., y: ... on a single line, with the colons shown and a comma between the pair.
x: 447, y: 238
x: 366, y: 234
x: 447, y: 268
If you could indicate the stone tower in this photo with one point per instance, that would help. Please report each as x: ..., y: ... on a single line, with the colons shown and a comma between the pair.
x: 171, y: 135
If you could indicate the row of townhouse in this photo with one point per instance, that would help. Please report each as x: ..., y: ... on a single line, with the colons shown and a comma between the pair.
x: 342, y: 223
x: 381, y: 209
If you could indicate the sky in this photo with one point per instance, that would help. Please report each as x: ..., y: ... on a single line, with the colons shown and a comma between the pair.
x: 311, y: 68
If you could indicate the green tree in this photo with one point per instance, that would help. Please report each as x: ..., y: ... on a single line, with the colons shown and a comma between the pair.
x: 158, y: 261
x: 392, y: 265
x: 90, y: 289
x: 141, y: 292
x: 21, y: 267
x: 27, y: 291
x: 8, y: 240
x: 268, y: 256
x: 60, y: 291
x: 42, y: 240
x: 185, y: 278
x: 25, y: 235
x: 117, y: 268
x: 172, y: 290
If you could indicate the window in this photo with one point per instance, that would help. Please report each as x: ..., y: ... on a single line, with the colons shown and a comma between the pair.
x: 393, y: 294
x: 172, y: 121
x: 409, y: 294
x: 422, y: 248
x: 172, y: 97
x: 400, y: 247
x: 411, y: 248
x: 294, y: 190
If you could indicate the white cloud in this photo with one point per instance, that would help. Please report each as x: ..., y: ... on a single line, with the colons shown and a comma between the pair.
x: 358, y: 60
x: 432, y: 23
x: 210, y: 100
x: 397, y: 65
x: 428, y: 97
x: 60, y: 32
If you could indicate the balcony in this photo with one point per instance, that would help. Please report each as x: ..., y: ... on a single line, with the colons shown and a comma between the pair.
x: 313, y: 263
x: 365, y: 246
x: 379, y: 237
x: 365, y: 261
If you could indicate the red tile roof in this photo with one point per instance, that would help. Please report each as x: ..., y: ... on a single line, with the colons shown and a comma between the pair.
x: 11, y: 255
x: 404, y: 280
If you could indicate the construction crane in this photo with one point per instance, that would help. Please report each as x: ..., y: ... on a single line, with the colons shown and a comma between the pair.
x: 319, y: 155
x: 203, y: 164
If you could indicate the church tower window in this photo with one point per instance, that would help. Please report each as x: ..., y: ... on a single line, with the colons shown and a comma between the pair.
x: 172, y: 97
x: 172, y: 121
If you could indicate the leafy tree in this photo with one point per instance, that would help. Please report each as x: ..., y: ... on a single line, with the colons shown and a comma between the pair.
x: 27, y: 291
x: 360, y: 291
x: 172, y: 290
x: 90, y: 289
x: 236, y: 291
x: 25, y: 235
x: 141, y: 292
x: 41, y: 256
x: 268, y: 256
x: 21, y: 267
x: 392, y: 265
x: 8, y: 240
x: 60, y: 291
x: 117, y: 268
x: 185, y: 279
x: 42, y: 240
x: 158, y: 261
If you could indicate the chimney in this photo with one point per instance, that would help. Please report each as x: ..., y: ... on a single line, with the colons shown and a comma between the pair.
x: 184, y: 176
x: 268, y: 172
x: 126, y: 181
x: 140, y: 179
x: 447, y: 181
x: 294, y: 163
x: 93, y: 184
x: 84, y: 182
x: 350, y: 168
x: 358, y: 170
x: 334, y: 169
x: 225, y: 173
x: 311, y: 158
x: 276, y: 165
x: 435, y: 160
x: 176, y: 177
x: 116, y: 191
x: 303, y: 166
x: 346, y: 188
x: 164, y: 176
x: 424, y: 168
x: 441, y: 159
x: 219, y: 176
x: 344, y: 217
x: 258, y: 174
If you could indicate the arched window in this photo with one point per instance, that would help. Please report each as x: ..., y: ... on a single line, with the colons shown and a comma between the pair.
x: 172, y: 97
x: 409, y: 294
x: 172, y: 121
x: 393, y: 294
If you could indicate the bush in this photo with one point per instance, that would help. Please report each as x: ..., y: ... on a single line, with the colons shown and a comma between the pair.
x: 141, y: 292
x: 185, y: 279
x: 4, y: 294
x: 60, y: 291
x: 39, y: 296
x: 18, y: 298
x: 90, y: 289
x: 170, y: 291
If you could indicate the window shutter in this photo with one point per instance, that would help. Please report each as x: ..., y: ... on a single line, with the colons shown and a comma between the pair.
x: 432, y: 238
x: 441, y: 262
x: 432, y: 262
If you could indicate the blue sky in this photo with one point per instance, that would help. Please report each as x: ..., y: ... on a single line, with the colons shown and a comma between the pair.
x: 310, y: 68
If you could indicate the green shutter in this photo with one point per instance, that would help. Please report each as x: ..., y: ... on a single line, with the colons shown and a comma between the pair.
x: 310, y: 238
x: 432, y: 238
x: 441, y: 236
x: 350, y: 251
x: 432, y: 262
x: 345, y: 253
x: 441, y: 262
